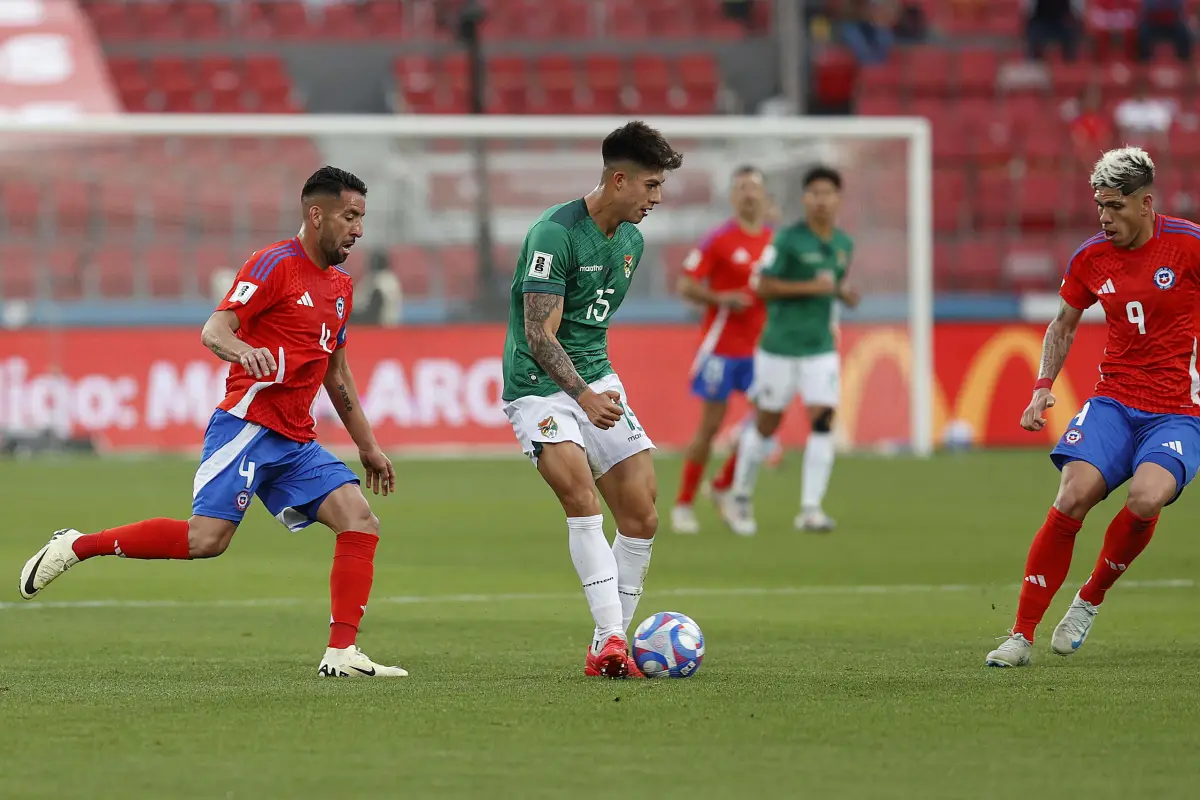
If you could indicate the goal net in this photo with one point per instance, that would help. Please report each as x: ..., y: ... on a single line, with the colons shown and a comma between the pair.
x: 139, y: 220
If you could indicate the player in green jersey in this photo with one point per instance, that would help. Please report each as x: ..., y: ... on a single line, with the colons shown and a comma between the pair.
x: 566, y: 404
x: 801, y: 276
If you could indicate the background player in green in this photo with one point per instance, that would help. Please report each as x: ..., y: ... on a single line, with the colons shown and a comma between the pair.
x: 565, y: 402
x: 801, y: 276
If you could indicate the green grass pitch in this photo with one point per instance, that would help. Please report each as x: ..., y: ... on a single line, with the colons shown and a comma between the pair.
x: 844, y: 666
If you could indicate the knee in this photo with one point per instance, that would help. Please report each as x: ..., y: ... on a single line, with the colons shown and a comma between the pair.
x: 1147, y: 502
x: 1075, y: 500
x: 767, y: 423
x: 580, y: 502
x: 822, y: 420
x: 641, y: 525
x: 359, y: 519
x: 209, y: 538
x: 367, y: 523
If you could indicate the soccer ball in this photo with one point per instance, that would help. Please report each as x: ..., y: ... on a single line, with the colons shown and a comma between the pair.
x: 669, y: 644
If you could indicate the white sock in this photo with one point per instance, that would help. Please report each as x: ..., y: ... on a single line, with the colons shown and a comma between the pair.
x: 752, y: 451
x: 597, y: 570
x: 818, y: 464
x: 633, y: 560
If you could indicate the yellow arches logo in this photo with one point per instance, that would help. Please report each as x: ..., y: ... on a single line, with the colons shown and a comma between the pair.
x: 973, y: 402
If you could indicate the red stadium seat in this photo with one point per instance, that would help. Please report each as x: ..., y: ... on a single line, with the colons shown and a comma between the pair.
x: 652, y: 82
x: 559, y: 85
x: 700, y: 77
x: 72, y: 206
x: 459, y: 272
x: 385, y: 19
x: 164, y: 268
x: 1039, y: 200
x: 929, y: 70
x: 344, y: 21
x: 977, y: 69
x: 66, y: 271
x: 604, y: 76
x: 949, y: 193
x: 19, y: 271
x: 411, y: 264
x: 882, y: 80
x: 112, y: 272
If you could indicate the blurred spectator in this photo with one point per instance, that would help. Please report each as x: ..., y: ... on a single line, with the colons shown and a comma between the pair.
x: 1163, y: 21
x: 911, y: 25
x: 868, y: 30
x: 1091, y: 130
x: 1145, y: 119
x: 1112, y: 23
x: 739, y: 10
x: 377, y: 295
x: 1052, y: 21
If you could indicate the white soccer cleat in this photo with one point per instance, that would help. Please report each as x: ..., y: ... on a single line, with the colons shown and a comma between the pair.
x: 350, y: 662
x: 738, y: 515
x: 814, y: 520
x: 683, y: 520
x: 48, y: 563
x: 1070, y: 634
x: 1015, y: 652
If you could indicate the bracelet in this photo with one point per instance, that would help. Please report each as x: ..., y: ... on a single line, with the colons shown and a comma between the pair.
x: 1043, y: 383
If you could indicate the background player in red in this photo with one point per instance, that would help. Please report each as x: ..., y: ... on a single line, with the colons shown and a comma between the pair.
x: 1142, y: 421
x: 717, y: 275
x: 283, y: 328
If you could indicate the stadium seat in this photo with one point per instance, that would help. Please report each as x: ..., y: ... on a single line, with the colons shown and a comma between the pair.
x: 20, y: 268
x: 652, y: 81
x: 700, y: 77
x: 411, y: 265
x: 164, y: 268
x: 977, y: 69
x: 949, y: 193
x: 929, y: 71
x: 559, y: 83
x: 459, y: 272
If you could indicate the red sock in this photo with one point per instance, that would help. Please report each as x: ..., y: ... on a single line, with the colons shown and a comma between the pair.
x: 724, y: 478
x: 1045, y: 569
x: 152, y: 538
x: 1126, y: 537
x: 350, y: 585
x: 693, y: 473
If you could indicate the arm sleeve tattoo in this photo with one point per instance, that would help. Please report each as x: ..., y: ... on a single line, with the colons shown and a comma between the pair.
x: 1056, y: 345
x: 345, y: 393
x: 545, y: 347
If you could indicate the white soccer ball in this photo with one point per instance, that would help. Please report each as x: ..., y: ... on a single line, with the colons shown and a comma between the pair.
x: 668, y: 644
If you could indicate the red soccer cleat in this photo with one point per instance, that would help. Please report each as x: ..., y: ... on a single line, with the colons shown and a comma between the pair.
x: 634, y: 670
x: 612, y: 661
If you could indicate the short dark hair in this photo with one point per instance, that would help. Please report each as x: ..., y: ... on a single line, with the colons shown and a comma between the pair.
x: 748, y: 169
x: 823, y: 173
x: 640, y: 144
x: 331, y: 181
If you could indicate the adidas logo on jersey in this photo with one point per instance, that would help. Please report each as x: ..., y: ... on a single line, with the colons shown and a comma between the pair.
x: 305, y: 300
x: 1177, y: 446
x: 1107, y: 288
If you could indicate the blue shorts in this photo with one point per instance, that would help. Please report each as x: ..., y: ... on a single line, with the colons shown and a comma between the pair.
x: 242, y: 459
x: 717, y: 377
x: 1116, y: 440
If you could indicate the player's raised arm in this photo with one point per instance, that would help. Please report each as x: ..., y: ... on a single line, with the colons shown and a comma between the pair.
x: 253, y: 292
x: 775, y: 277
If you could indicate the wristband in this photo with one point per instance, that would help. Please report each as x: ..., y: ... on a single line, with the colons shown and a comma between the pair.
x: 1043, y: 383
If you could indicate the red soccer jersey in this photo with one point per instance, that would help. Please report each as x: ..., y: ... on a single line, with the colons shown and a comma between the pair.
x: 726, y: 259
x: 287, y: 304
x: 1149, y: 296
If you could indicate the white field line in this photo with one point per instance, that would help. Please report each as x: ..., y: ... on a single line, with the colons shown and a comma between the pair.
x: 463, y: 599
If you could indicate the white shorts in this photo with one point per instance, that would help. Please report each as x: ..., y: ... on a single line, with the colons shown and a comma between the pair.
x: 778, y: 379
x: 558, y: 418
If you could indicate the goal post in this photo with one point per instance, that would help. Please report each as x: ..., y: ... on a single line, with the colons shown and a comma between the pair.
x: 422, y: 171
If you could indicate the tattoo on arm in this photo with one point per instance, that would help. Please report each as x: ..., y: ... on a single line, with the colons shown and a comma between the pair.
x: 1056, y: 345
x: 345, y: 397
x: 545, y: 347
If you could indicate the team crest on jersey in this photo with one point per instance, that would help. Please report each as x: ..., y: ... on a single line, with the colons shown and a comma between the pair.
x: 341, y: 307
x: 1164, y: 277
x: 242, y: 501
x: 628, y: 266
x: 548, y: 427
x: 1073, y: 436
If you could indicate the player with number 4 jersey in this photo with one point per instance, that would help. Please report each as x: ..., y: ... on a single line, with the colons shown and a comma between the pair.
x: 566, y: 404
x: 282, y: 327
x: 1142, y: 424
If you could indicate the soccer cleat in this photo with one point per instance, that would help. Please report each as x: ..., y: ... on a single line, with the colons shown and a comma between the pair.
x: 1014, y: 652
x: 634, y: 670
x: 1070, y: 634
x: 610, y: 661
x: 738, y: 515
x: 350, y: 662
x: 683, y: 520
x: 48, y: 563
x: 814, y: 520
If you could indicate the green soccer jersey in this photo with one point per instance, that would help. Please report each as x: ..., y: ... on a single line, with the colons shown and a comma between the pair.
x: 565, y: 253
x: 803, y: 326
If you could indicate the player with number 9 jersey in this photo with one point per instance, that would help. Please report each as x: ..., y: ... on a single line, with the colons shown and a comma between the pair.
x: 1142, y: 423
